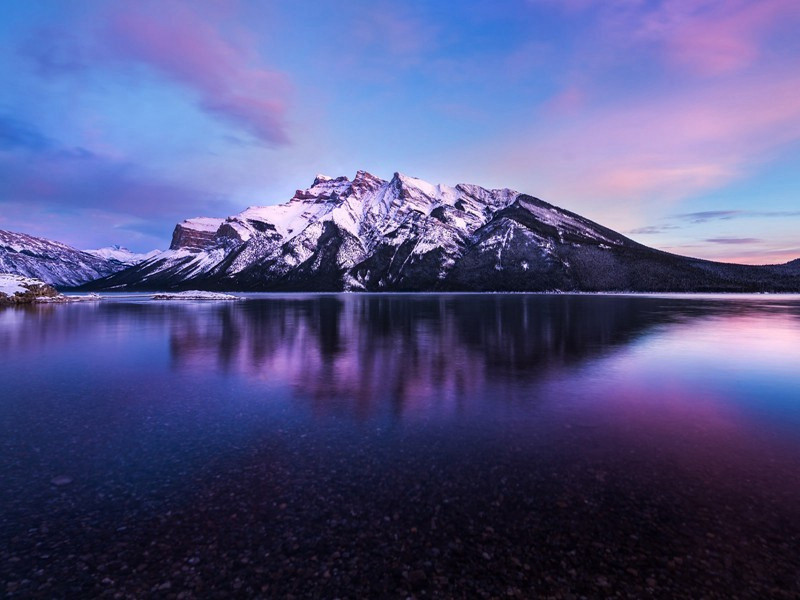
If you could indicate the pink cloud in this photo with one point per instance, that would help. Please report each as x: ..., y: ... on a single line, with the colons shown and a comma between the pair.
x: 704, y: 134
x: 715, y: 37
x: 191, y: 49
x: 615, y: 161
x: 764, y: 254
x: 567, y: 101
x: 706, y: 37
x: 666, y: 138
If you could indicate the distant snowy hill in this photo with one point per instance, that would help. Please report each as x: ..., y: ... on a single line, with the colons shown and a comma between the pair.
x: 122, y: 255
x: 407, y: 234
x: 52, y: 262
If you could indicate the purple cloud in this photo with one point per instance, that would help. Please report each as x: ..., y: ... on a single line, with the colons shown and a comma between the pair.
x: 173, y: 39
x: 63, y: 184
x: 186, y: 43
x: 709, y: 215
x: 734, y: 240
x: 717, y: 102
x: 712, y: 38
x: 725, y: 215
x: 16, y: 134
x: 652, y: 229
x: 706, y: 37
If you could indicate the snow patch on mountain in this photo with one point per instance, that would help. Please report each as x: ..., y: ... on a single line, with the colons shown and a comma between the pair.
x: 563, y: 221
x: 122, y: 255
x: 203, y: 223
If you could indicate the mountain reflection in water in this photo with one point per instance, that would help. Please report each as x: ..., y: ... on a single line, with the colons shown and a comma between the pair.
x: 396, y: 445
x: 428, y: 353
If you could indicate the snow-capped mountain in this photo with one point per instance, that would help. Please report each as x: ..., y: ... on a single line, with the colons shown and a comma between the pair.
x: 406, y: 234
x: 52, y: 262
x: 122, y: 255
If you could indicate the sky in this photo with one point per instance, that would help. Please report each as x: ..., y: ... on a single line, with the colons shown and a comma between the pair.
x: 676, y: 122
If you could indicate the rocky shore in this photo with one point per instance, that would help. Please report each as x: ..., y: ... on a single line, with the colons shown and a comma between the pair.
x: 16, y: 289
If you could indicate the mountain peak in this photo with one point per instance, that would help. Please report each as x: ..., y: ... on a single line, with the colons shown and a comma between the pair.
x: 319, y: 178
x: 121, y: 254
x: 326, y: 181
x: 366, y: 182
x: 365, y: 175
x: 405, y: 183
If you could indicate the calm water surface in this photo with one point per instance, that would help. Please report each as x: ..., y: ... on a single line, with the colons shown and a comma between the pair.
x: 453, y: 446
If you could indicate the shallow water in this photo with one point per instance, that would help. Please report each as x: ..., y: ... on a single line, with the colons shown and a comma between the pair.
x: 402, y: 445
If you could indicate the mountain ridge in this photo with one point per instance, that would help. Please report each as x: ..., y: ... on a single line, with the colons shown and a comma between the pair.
x: 53, y: 262
x: 405, y: 234
x: 122, y: 255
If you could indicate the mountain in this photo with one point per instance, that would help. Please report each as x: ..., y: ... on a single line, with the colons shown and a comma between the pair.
x: 409, y: 235
x: 52, y: 262
x: 122, y: 255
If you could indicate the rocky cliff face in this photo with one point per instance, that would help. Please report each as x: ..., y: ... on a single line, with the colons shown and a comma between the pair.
x: 195, y: 234
x: 406, y: 234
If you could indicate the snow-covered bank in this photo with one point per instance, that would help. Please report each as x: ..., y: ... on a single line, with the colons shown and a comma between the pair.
x: 16, y: 289
x: 64, y: 298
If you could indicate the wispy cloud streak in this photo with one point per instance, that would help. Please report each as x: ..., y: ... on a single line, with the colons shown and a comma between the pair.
x: 726, y: 215
x: 719, y: 99
x: 230, y: 82
x: 184, y: 43
x: 733, y: 240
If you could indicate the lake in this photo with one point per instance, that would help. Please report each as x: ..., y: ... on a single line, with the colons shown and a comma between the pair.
x: 366, y: 446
